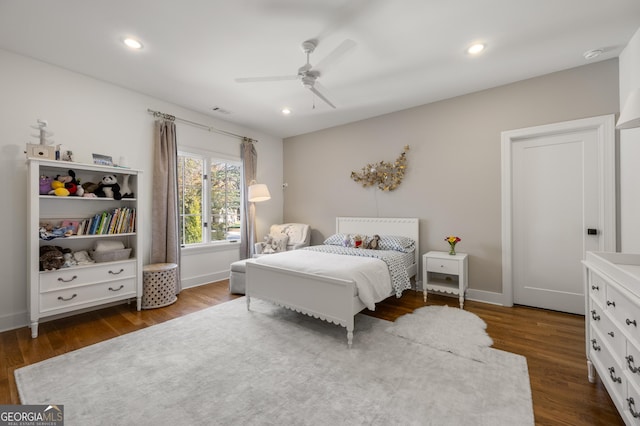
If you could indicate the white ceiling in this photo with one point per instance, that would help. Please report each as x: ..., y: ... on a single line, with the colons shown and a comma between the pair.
x: 407, y: 52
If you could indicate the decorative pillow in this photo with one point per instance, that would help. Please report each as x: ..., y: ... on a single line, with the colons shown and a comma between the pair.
x: 397, y: 243
x: 280, y: 242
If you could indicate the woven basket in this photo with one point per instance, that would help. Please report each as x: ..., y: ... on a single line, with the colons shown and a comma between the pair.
x: 110, y: 255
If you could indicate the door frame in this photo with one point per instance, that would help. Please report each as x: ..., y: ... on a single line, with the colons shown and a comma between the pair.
x: 604, y: 125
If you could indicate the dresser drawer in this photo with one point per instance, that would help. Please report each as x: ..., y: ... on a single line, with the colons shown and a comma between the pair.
x: 631, y: 405
x: 597, y: 288
x: 610, y: 371
x: 83, y: 275
x: 613, y: 336
x: 623, y: 311
x: 62, y: 300
x: 443, y: 266
x: 632, y: 365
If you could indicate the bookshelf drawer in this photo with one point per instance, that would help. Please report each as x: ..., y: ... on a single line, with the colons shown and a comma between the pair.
x: 79, y: 276
x: 62, y: 300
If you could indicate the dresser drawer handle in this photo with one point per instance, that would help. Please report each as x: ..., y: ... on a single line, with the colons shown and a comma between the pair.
x: 612, y: 374
x: 633, y: 412
x: 611, y: 303
x: 66, y: 300
x: 631, y: 364
x: 117, y: 289
x: 62, y: 280
x: 612, y: 334
x: 596, y: 317
x: 629, y: 322
x: 116, y: 273
x: 594, y: 345
x: 595, y: 287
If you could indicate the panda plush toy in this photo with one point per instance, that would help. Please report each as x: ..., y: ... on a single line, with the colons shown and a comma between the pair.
x: 109, y: 188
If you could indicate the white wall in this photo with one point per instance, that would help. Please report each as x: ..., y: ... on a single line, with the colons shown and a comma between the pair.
x: 630, y: 153
x: 90, y: 116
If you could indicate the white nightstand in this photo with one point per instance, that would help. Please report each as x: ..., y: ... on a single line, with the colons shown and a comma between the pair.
x: 445, y: 273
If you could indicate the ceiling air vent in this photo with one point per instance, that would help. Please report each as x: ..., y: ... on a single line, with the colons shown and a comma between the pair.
x: 220, y: 110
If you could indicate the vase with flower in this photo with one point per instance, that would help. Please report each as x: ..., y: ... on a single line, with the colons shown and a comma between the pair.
x: 452, y: 240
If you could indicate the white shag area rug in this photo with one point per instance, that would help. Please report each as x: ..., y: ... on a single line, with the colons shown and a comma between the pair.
x: 271, y: 366
x: 447, y: 329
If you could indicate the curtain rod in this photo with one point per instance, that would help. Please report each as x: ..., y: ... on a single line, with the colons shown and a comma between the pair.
x: 170, y: 117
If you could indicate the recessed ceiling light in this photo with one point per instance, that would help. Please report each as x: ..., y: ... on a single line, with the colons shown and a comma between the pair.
x: 286, y: 111
x: 590, y: 54
x: 475, y: 49
x: 132, y: 43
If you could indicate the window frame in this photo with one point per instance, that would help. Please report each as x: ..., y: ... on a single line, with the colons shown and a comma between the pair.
x: 208, y: 158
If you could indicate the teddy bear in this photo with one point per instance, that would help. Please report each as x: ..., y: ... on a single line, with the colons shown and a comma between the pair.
x: 109, y: 188
x: 51, y: 258
x: 357, y: 241
x: 374, y: 243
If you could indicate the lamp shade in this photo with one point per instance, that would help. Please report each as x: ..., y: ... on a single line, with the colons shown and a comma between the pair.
x: 258, y: 192
x: 630, y: 114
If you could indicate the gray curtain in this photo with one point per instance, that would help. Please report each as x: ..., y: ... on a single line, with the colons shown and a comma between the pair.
x: 165, y: 240
x: 249, y: 158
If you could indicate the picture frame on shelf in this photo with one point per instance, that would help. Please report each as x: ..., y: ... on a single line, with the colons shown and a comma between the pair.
x: 102, y: 160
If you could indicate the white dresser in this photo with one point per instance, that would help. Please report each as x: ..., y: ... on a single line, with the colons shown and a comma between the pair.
x: 613, y: 327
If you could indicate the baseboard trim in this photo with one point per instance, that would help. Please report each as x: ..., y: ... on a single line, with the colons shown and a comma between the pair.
x: 204, y: 279
x: 13, y: 321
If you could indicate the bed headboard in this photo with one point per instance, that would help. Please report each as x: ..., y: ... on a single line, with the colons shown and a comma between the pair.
x: 403, y: 226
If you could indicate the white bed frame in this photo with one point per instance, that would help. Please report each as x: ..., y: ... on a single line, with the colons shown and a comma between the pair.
x: 326, y: 298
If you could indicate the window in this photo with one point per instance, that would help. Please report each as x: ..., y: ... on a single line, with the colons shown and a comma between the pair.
x: 209, y: 199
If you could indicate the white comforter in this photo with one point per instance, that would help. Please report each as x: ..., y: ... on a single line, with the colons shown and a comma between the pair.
x: 370, y: 275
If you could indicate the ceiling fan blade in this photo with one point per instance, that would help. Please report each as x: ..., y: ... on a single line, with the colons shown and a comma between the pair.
x: 261, y: 79
x: 336, y: 54
x: 315, y: 90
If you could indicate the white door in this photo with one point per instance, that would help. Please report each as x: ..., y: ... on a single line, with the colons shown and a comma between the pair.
x: 560, y: 206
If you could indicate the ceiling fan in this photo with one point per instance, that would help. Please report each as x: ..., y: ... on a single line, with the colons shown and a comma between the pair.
x: 308, y: 74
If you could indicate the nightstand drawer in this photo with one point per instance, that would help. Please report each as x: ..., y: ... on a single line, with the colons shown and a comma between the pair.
x: 443, y: 266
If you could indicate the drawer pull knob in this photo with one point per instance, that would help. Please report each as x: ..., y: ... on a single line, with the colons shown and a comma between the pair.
x: 629, y: 322
x: 62, y: 280
x: 116, y: 273
x: 609, y: 303
x: 631, y: 364
x: 595, y: 287
x: 117, y: 289
x: 596, y: 317
x: 66, y: 300
x: 612, y: 374
x: 633, y: 412
x: 594, y: 345
x: 612, y: 334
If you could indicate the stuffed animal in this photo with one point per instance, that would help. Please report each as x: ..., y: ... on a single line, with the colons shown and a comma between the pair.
x: 57, y: 188
x: 374, y: 243
x: 89, y: 189
x: 45, y: 185
x: 51, y: 258
x: 109, y: 188
x: 71, y: 184
x: 357, y: 241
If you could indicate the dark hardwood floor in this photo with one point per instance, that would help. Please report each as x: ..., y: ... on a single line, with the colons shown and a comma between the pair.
x: 552, y: 342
